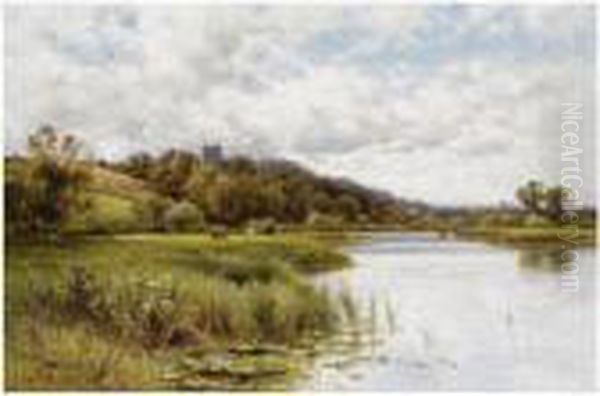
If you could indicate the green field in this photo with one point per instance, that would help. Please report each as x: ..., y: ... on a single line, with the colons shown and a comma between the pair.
x: 149, y: 311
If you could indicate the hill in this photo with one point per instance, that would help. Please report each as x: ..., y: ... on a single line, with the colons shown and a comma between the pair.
x: 237, y: 190
x: 111, y: 201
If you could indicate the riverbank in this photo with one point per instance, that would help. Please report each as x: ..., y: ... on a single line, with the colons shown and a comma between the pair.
x: 164, y: 311
x: 526, y: 236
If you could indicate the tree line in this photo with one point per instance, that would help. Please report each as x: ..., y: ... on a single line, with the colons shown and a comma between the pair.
x: 45, y: 188
x: 239, y: 189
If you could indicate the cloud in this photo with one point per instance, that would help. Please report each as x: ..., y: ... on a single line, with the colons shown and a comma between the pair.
x: 442, y: 103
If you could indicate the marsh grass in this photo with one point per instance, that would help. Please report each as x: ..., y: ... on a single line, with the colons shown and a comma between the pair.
x: 110, y: 312
x: 75, y: 357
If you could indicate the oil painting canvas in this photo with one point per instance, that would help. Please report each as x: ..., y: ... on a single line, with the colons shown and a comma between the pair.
x: 285, y: 197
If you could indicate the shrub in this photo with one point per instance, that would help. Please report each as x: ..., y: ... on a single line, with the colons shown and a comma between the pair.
x: 184, y: 216
x: 151, y: 212
x: 267, y: 226
x: 322, y: 221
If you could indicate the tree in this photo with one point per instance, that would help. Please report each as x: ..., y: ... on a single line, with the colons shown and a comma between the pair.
x: 272, y: 200
x: 234, y: 200
x: 151, y: 212
x: 541, y: 200
x: 322, y: 202
x: 554, y: 202
x: 531, y: 196
x: 221, y: 202
x: 172, y: 172
x: 241, y: 189
x: 139, y: 165
x: 51, y: 180
x: 348, y: 207
x: 298, y: 193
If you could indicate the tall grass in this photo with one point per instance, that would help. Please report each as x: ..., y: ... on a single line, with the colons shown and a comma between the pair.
x: 50, y: 356
x: 159, y: 313
x: 134, y: 301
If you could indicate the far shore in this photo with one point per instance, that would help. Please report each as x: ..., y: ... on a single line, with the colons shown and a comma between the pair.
x: 496, y: 235
x: 531, y: 236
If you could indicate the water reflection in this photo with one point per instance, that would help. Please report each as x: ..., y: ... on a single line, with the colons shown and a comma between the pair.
x: 542, y: 259
x: 440, y: 314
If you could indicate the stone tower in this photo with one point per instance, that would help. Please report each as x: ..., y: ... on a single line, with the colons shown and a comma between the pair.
x: 212, y: 154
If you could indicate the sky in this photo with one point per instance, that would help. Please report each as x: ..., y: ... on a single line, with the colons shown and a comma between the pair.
x: 447, y: 104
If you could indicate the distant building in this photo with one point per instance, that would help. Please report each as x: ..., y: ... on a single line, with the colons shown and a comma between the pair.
x: 212, y: 154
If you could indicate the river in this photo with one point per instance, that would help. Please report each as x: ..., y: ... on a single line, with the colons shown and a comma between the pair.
x: 453, y: 315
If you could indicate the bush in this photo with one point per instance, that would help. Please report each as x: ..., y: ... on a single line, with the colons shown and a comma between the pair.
x: 267, y: 226
x: 322, y: 221
x: 151, y: 212
x: 184, y: 216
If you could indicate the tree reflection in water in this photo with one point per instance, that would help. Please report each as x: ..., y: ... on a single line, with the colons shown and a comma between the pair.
x: 545, y: 259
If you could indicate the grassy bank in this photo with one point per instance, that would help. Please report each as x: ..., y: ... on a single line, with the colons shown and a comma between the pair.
x: 530, y: 235
x: 131, y: 312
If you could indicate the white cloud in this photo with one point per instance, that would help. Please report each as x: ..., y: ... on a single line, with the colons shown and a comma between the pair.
x: 306, y: 83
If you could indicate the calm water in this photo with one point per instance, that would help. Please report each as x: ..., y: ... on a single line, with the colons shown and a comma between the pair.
x: 457, y: 315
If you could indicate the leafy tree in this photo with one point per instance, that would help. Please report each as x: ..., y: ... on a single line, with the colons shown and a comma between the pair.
x: 221, y: 201
x: 348, y: 207
x: 48, y: 184
x: 172, y: 172
x: 323, y: 203
x: 298, y: 193
x: 541, y: 200
x: 139, y: 165
x: 151, y: 211
x: 272, y: 201
x: 532, y: 196
x: 554, y: 202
